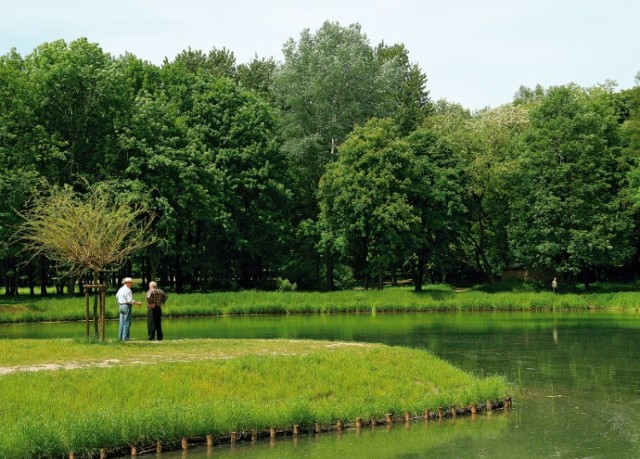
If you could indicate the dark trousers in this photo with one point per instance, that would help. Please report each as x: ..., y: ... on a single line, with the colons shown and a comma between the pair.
x: 154, y: 323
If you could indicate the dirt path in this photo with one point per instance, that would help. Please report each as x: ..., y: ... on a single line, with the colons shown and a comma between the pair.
x: 154, y: 359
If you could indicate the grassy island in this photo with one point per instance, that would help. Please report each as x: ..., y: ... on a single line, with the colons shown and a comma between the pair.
x: 66, y: 395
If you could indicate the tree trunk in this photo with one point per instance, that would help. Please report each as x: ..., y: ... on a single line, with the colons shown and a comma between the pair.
x: 486, y: 267
x: 10, y: 287
x: 330, y: 271
x: 143, y: 270
x: 30, y: 274
x: 71, y: 286
x: 419, y: 272
x: 394, y: 276
x: 178, y: 273
x: 587, y: 281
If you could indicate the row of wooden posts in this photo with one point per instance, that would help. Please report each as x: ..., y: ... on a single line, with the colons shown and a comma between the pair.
x: 296, y: 429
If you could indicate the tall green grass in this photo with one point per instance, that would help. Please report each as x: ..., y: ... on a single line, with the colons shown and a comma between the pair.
x: 50, y: 413
x: 440, y: 298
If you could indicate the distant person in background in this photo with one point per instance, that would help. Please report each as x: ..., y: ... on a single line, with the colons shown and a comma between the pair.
x: 155, y: 299
x: 554, y: 284
x: 124, y: 296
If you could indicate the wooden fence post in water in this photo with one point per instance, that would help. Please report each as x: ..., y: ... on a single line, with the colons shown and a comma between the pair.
x: 340, y: 425
x: 234, y: 437
x: 427, y: 414
x: 507, y: 403
x: 296, y: 430
x: 454, y: 412
x: 103, y: 453
x: 388, y: 419
x: 272, y: 432
x: 358, y: 423
x: 407, y: 416
x: 184, y: 443
x: 474, y: 409
x: 440, y: 413
x: 72, y: 455
x: 317, y: 427
x: 254, y: 435
x: 134, y: 450
x: 489, y: 405
x: 209, y: 440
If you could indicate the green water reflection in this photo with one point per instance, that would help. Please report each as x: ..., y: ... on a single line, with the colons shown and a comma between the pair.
x: 576, y: 381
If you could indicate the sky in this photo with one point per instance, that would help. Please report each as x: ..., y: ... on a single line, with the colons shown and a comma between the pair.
x: 474, y: 52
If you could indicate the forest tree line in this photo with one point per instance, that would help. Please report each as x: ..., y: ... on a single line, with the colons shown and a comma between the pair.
x: 329, y: 169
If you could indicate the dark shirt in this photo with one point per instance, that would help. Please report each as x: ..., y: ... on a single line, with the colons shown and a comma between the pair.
x: 156, y: 297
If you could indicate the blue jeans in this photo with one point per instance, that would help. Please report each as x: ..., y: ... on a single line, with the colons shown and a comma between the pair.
x: 125, y: 322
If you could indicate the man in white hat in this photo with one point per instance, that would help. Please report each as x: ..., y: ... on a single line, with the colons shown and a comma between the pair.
x: 125, y: 301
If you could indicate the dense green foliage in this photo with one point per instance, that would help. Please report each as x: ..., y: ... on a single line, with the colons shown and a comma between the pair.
x: 51, y: 413
x: 328, y: 169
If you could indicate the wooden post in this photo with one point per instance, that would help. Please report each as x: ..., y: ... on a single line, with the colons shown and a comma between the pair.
x: 358, y: 423
x: 184, y: 443
x: 474, y: 409
x: 272, y: 432
x: 96, y: 294
x: 103, y: 311
x: 296, y: 430
x: 489, y: 405
x: 254, y: 435
x: 407, y: 416
x: 72, y: 455
x: 388, y: 418
x: 454, y: 412
x: 103, y: 453
x: 440, y: 413
x: 158, y: 446
x: 507, y: 403
x: 86, y: 308
x: 340, y: 425
x: 374, y: 422
x: 209, y: 440
x: 134, y: 450
x: 317, y: 427
x: 427, y: 414
x: 234, y: 437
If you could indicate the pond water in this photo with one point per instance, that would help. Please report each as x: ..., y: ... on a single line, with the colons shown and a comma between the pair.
x: 576, y: 381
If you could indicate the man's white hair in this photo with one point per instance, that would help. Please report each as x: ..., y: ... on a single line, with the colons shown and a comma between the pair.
x: 152, y: 284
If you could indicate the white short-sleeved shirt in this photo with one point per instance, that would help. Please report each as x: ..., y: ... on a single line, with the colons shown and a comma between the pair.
x: 124, y: 295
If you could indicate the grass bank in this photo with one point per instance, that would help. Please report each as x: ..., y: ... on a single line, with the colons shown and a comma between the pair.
x: 434, y: 298
x: 61, y: 396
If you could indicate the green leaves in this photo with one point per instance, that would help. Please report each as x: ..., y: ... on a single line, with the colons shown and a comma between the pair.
x: 365, y: 210
x: 567, y: 216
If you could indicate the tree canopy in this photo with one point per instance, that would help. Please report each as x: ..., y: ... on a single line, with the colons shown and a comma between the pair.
x: 329, y: 168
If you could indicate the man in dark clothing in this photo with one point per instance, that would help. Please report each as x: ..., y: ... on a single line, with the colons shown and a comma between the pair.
x: 155, y: 299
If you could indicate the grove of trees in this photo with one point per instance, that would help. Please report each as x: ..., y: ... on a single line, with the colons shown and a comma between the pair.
x: 331, y: 168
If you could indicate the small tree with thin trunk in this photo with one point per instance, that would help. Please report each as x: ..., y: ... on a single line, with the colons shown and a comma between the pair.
x: 85, y: 233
